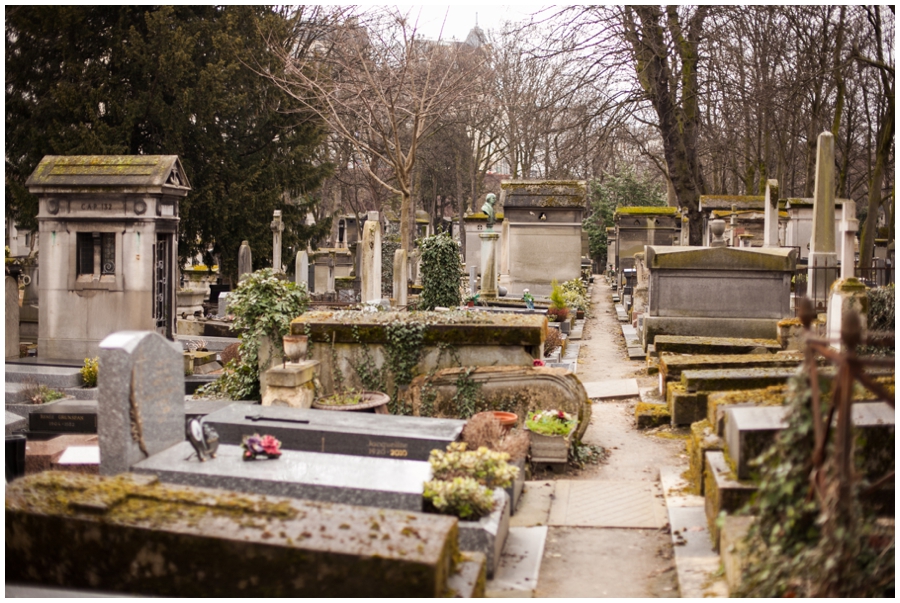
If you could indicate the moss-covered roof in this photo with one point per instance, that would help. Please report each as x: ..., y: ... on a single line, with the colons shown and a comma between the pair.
x: 481, y: 216
x: 647, y: 211
x: 679, y: 257
x: 57, y: 173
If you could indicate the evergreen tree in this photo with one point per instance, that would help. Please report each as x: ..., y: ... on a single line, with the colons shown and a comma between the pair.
x: 166, y: 81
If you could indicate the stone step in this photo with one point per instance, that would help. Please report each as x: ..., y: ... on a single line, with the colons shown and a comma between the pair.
x: 52, y: 376
x: 685, y: 344
x: 672, y: 366
x: 611, y: 389
x: 749, y: 431
x: 636, y: 353
x: 520, y: 564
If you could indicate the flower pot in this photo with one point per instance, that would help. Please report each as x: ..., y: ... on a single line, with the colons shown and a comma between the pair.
x: 295, y: 347
x: 507, y: 420
x: 470, y: 304
x: 375, y: 402
x: 550, y: 448
x: 579, y: 314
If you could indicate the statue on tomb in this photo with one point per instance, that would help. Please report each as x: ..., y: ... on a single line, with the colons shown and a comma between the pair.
x: 245, y: 261
x: 488, y: 209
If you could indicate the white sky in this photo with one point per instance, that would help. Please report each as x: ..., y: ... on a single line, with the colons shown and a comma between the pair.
x: 460, y: 19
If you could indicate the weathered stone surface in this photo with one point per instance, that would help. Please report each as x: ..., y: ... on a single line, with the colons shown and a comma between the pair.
x: 291, y: 385
x: 684, y: 406
x: 719, y: 402
x: 358, y: 434
x: 14, y: 423
x: 130, y: 534
x: 672, y: 366
x: 489, y: 263
x: 734, y: 550
x: 477, y: 339
x: 685, y: 344
x: 727, y: 379
x: 702, y: 439
x: 12, y: 317
x: 750, y: 328
x: 488, y: 534
x: 723, y: 492
x: 51, y: 376
x: 355, y: 480
x: 651, y: 415
x: 517, y: 389
x: 141, y: 405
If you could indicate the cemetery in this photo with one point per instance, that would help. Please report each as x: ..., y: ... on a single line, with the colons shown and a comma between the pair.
x: 539, y: 387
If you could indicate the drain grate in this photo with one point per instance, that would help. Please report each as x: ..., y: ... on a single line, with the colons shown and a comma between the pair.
x: 607, y: 504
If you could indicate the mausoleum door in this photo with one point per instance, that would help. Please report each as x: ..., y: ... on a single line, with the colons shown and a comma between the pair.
x: 162, y: 288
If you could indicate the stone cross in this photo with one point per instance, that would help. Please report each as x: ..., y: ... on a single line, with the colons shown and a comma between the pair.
x: 301, y: 269
x: 140, y: 398
x: 849, y: 226
x: 370, y: 265
x: 277, y: 227
x: 822, y: 256
x: 770, y: 234
x: 245, y: 261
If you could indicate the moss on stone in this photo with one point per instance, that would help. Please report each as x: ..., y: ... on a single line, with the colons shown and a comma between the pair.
x: 646, y: 211
x: 651, y: 415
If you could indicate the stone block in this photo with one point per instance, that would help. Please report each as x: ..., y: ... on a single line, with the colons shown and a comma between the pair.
x: 41, y: 453
x: 488, y: 534
x: 291, y: 385
x: 746, y: 328
x: 733, y: 549
x: 51, y: 376
x: 357, y: 480
x: 684, y: 344
x: 651, y: 415
x: 132, y: 535
x: 732, y: 379
x: 718, y: 402
x: 14, y: 423
x: 702, y: 439
x: 350, y: 433
x: 684, y: 406
x: 671, y: 366
x: 141, y: 403
x: 722, y: 492
x: 12, y: 317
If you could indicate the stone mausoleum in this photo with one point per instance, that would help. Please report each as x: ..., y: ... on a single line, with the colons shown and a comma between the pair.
x: 108, y: 247
x: 541, y: 233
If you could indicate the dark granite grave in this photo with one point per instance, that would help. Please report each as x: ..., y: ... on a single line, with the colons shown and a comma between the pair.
x: 70, y: 418
x: 358, y: 434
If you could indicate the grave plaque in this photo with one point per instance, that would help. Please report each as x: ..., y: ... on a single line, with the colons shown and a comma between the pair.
x: 358, y: 434
x: 70, y: 419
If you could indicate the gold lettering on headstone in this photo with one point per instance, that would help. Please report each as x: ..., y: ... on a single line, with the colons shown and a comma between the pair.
x: 394, y: 449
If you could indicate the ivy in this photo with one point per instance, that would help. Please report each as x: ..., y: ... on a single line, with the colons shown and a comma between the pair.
x: 441, y: 272
x: 264, y: 304
x: 797, y: 549
x: 403, y: 349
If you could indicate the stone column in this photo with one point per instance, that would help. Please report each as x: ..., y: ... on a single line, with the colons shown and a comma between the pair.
x: 277, y: 227
x: 301, y: 269
x: 400, y: 271
x: 12, y: 317
x: 770, y: 234
x: 370, y: 266
x: 849, y: 226
x: 504, y: 254
x: 846, y: 295
x: 822, y: 256
x: 489, y: 241
x: 329, y: 287
x: 245, y: 261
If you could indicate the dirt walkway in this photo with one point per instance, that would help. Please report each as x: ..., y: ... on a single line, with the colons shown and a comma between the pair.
x: 613, y: 562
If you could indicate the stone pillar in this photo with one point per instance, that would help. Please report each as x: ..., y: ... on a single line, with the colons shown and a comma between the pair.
x: 489, y: 243
x: 400, y: 271
x: 473, y: 280
x: 277, y: 227
x: 504, y: 254
x: 847, y: 295
x: 770, y: 234
x: 734, y: 240
x: 822, y: 256
x: 12, y: 317
x: 329, y: 287
x: 370, y: 266
x: 849, y: 226
x: 245, y: 261
x: 301, y: 269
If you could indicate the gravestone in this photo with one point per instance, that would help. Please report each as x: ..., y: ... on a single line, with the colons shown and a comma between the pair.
x: 12, y: 318
x: 822, y: 256
x: 141, y: 398
x: 770, y: 233
x: 301, y: 269
x: 64, y: 418
x: 223, y: 303
x: 849, y: 226
x: 354, y: 480
x: 277, y: 227
x: 473, y: 280
x: 371, y: 259
x: 245, y: 261
x: 350, y: 433
x: 401, y: 269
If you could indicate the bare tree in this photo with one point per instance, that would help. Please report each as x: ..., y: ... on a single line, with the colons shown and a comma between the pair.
x: 380, y: 88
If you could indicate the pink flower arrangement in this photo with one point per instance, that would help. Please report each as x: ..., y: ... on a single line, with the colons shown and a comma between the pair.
x: 257, y: 445
x: 538, y: 362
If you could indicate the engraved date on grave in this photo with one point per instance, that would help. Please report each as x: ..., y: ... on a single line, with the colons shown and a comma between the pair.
x: 393, y: 449
x: 97, y: 206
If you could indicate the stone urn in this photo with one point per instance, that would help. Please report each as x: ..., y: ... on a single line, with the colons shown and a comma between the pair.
x: 295, y: 347
x: 372, y: 402
x: 717, y: 228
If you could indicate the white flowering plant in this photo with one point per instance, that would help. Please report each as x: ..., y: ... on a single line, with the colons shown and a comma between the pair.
x: 487, y: 467
x: 462, y: 497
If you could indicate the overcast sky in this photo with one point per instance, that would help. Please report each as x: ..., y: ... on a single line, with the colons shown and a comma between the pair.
x: 460, y: 19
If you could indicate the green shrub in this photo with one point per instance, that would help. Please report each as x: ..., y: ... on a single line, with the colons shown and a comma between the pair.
x: 462, y: 497
x: 264, y: 304
x: 32, y: 393
x: 441, y: 271
x: 551, y: 422
x: 89, y: 372
x: 557, y: 301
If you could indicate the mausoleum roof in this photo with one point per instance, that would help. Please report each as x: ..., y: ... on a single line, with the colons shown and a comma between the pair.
x: 679, y: 257
x: 111, y: 173
x: 647, y: 211
x: 544, y: 193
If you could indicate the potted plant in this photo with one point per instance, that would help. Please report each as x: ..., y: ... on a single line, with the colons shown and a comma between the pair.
x: 551, y: 432
x: 558, y: 312
x: 472, y: 300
